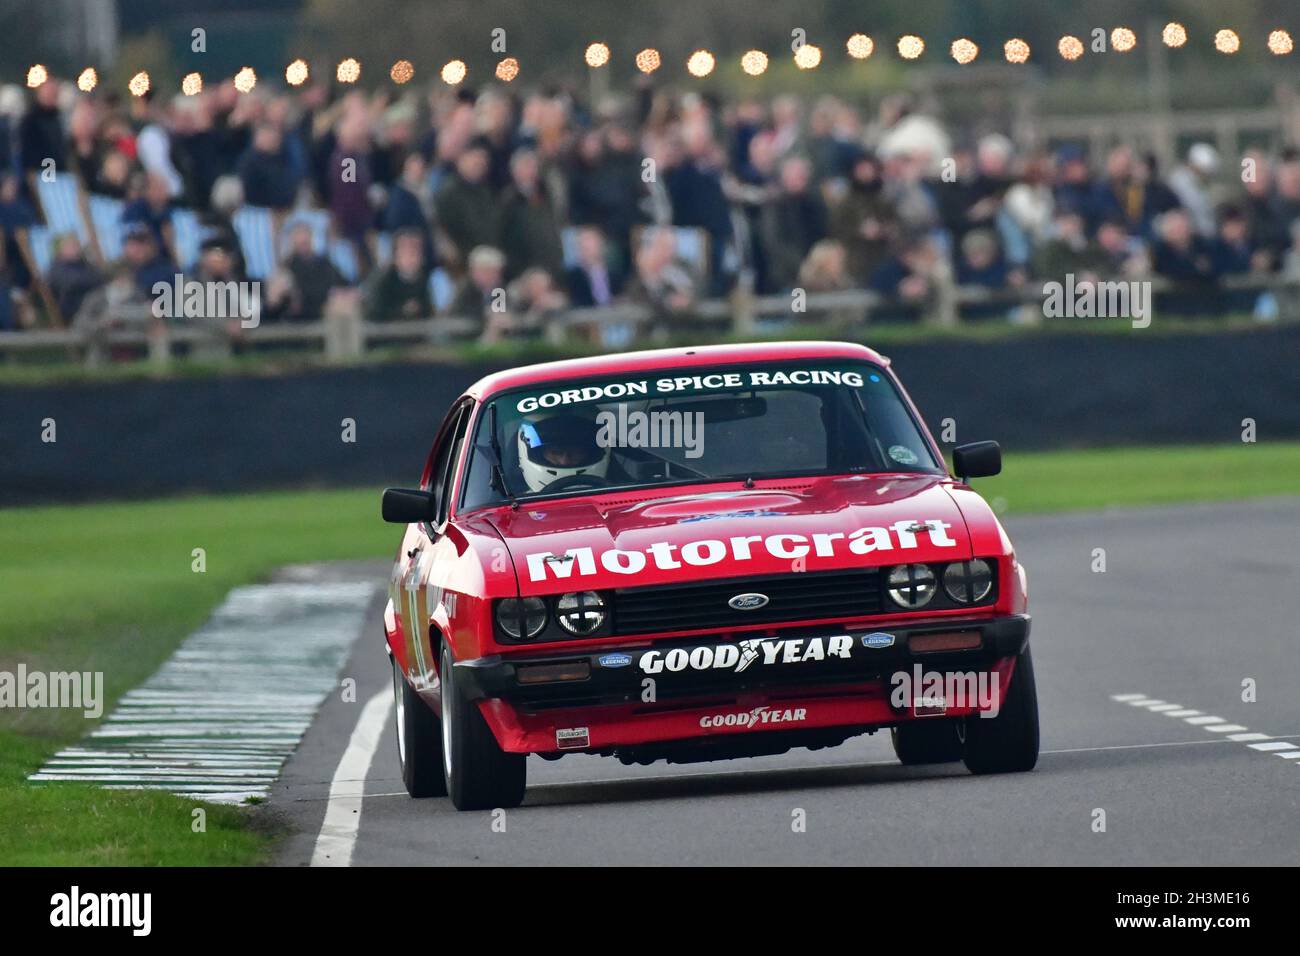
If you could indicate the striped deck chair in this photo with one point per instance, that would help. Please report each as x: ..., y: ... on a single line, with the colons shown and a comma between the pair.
x: 106, y: 217
x: 442, y: 289
x: 188, y: 236
x: 41, y: 240
x: 569, y: 245
x: 255, y: 227
x: 60, y: 202
x: 383, y: 249
x: 344, y: 256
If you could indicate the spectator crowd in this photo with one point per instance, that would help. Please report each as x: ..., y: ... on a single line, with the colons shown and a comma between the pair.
x: 507, y: 207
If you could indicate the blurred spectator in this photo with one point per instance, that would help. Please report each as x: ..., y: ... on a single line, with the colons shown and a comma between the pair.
x: 591, y: 280
x: 466, y: 206
x: 152, y: 208
x: 41, y: 132
x: 661, y: 280
x: 401, y: 291
x: 70, y: 277
x: 154, y: 146
x: 482, y: 293
x: 1190, y: 183
x: 147, y: 263
x: 909, y: 274
x: 863, y: 221
x: 1185, y: 258
x: 533, y: 298
x: 792, y: 224
x: 826, y: 268
x: 266, y: 172
x: 605, y: 187
x: 348, y: 183
x: 529, y: 230
x: 408, y: 202
x: 312, y: 276
x: 16, y: 216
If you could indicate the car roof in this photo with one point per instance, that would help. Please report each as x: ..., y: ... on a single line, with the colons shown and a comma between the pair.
x: 693, y: 356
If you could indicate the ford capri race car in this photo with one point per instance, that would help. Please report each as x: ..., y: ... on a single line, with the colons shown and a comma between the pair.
x: 698, y: 554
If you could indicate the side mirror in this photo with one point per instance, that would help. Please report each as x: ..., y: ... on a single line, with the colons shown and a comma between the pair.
x: 408, y: 505
x: 978, y: 459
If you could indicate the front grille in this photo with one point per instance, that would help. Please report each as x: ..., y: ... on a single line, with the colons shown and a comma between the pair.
x: 703, y: 604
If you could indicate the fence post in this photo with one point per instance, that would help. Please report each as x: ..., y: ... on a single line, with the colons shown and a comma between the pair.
x: 160, y: 344
x: 345, y: 338
x: 945, y: 296
x: 743, y: 305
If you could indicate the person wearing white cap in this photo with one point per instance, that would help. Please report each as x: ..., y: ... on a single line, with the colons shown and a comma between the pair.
x: 1191, y: 183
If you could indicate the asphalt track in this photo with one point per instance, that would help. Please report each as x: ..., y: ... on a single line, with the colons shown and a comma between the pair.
x: 1194, y: 600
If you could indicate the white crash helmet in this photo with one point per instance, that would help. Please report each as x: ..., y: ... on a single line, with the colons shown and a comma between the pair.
x: 558, y: 447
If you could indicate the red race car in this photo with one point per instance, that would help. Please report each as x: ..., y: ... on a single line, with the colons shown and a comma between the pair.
x: 697, y: 554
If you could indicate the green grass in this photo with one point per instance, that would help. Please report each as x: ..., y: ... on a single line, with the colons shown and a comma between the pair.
x: 1128, y: 477
x: 110, y: 587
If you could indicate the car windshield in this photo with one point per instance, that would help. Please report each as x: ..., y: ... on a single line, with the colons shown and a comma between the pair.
x: 682, y: 426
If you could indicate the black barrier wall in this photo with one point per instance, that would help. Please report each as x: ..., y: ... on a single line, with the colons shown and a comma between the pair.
x: 231, y: 433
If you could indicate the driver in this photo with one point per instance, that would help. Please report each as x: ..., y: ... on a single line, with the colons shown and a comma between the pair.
x: 559, y: 447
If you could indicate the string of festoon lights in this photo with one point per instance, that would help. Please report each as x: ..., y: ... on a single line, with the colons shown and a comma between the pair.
x: 701, y: 63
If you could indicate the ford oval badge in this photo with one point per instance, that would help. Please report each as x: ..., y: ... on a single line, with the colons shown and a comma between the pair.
x: 748, y: 602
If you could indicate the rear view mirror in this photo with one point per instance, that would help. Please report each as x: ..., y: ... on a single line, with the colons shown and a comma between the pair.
x: 978, y: 459
x: 408, y: 505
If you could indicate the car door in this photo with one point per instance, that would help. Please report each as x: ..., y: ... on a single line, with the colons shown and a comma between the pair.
x: 424, y: 554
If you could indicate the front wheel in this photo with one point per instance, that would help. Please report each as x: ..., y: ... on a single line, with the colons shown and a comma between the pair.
x: 479, y: 774
x: 419, y: 740
x: 1007, y: 743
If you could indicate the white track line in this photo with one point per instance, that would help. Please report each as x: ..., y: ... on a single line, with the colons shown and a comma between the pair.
x: 1235, y: 733
x: 338, y: 831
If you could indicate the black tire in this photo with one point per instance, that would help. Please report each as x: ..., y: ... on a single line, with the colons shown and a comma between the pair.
x: 927, y: 740
x: 419, y: 741
x: 1007, y: 743
x: 479, y: 774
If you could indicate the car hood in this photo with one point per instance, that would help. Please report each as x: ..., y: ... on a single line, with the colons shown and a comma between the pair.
x: 677, y: 535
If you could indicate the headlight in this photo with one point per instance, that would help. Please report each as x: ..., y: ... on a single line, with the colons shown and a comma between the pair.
x: 911, y: 585
x: 968, y: 582
x: 580, y: 613
x: 530, y: 613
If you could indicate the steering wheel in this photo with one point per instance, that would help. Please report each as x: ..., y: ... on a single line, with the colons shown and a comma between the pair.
x: 576, y: 483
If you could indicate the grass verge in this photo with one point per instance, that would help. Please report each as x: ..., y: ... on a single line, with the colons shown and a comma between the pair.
x: 111, y: 587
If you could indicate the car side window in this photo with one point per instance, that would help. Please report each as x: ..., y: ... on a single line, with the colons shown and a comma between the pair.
x: 445, y: 476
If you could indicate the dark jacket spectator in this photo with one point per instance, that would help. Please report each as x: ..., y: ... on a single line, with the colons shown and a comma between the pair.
x: 153, y: 209
x: 401, y: 291
x: 530, y: 231
x: 269, y: 177
x: 467, y: 210
x: 41, y: 132
x: 792, y: 224
x: 314, y: 276
x: 71, y: 278
x: 591, y: 281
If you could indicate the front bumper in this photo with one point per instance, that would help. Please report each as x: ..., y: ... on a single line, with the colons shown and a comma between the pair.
x: 819, y: 660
